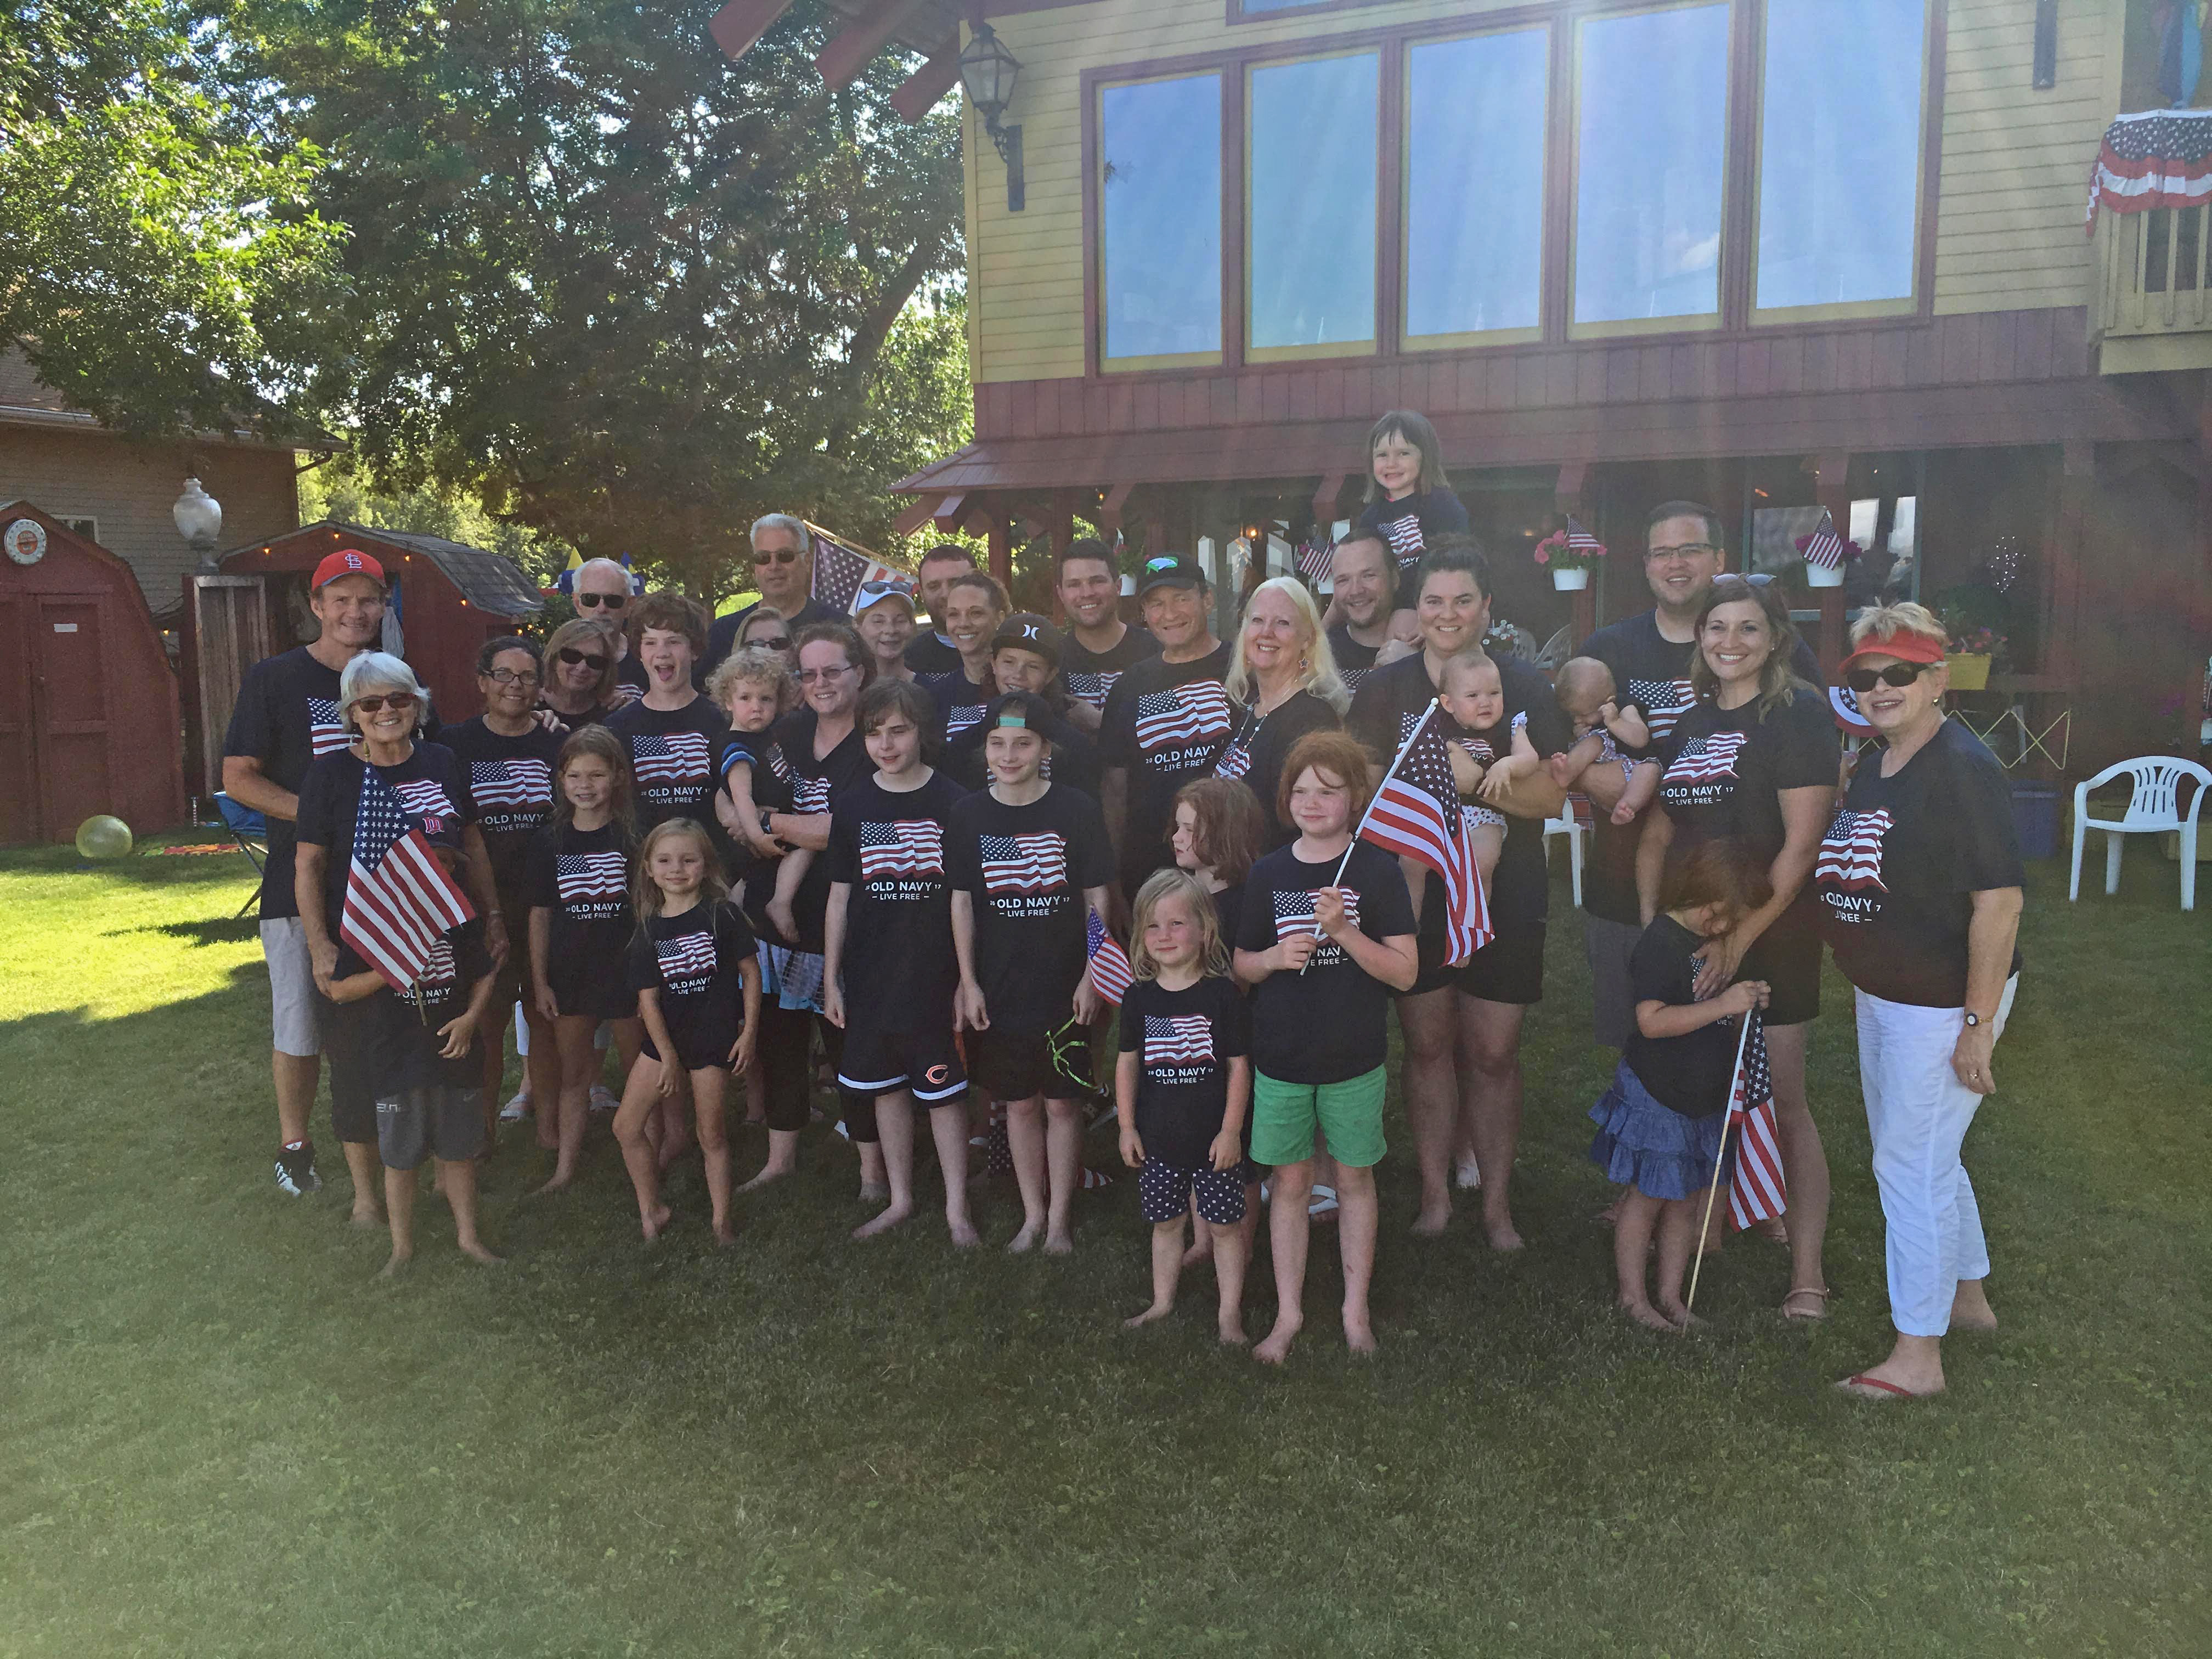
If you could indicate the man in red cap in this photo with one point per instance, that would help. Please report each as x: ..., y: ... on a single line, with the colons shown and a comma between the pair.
x: 287, y: 715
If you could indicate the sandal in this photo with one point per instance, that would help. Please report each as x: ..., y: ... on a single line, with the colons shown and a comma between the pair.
x: 1321, y: 1205
x: 1823, y: 1295
x: 1889, y: 1390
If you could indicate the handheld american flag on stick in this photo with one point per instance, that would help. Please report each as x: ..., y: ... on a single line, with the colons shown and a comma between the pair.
x: 399, y: 899
x: 1758, y: 1190
x: 1416, y: 814
x: 1111, y: 976
x: 839, y: 567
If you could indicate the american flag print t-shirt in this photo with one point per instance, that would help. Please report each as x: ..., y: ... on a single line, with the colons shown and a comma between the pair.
x: 511, y: 789
x: 1090, y: 676
x: 1173, y: 720
x: 1849, y: 859
x: 1702, y: 763
x: 888, y: 848
x: 694, y: 964
x: 1331, y: 1023
x: 1025, y: 871
x: 1165, y: 723
x: 326, y: 732
x: 594, y: 886
x: 672, y: 755
x: 1663, y: 701
x: 1184, y: 1041
x: 512, y: 785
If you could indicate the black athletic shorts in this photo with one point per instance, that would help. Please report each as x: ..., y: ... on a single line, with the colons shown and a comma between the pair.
x: 446, y: 1122
x: 1017, y: 1065
x: 1788, y: 960
x: 1510, y: 968
x: 926, y: 1063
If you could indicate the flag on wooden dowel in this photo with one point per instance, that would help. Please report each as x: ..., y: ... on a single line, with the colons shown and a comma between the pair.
x: 1757, y: 1192
x: 1416, y: 814
x: 1111, y: 976
x: 400, y: 900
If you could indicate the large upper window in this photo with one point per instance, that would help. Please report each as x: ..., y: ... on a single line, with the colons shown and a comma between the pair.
x: 1839, y: 155
x: 1475, y: 186
x: 1650, y: 161
x: 1309, y: 227
x: 1160, y: 194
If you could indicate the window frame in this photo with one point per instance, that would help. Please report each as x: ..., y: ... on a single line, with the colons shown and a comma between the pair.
x: 1739, y: 245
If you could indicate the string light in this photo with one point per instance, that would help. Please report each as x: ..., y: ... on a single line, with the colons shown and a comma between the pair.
x: 2005, y: 563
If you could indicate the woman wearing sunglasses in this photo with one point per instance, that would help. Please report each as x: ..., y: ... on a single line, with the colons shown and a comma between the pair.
x: 769, y: 628
x: 1919, y: 882
x: 579, y: 665
x: 1755, y: 760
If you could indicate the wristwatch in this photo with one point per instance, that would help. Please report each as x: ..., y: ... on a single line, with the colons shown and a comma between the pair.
x: 1973, y: 1019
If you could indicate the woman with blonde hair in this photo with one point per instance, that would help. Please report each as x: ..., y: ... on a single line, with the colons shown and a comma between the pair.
x: 580, y: 682
x: 1919, y: 886
x: 1284, y: 684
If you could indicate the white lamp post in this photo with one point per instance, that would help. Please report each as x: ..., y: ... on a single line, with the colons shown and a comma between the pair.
x: 198, y: 518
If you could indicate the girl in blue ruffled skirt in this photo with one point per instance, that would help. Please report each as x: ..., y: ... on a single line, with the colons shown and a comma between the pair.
x: 1659, y: 1125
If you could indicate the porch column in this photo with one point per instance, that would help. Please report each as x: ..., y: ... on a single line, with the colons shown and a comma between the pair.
x: 1833, y: 487
x: 1567, y: 502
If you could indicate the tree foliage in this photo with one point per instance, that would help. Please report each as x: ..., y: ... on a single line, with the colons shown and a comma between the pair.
x: 624, y: 291
x: 165, y: 268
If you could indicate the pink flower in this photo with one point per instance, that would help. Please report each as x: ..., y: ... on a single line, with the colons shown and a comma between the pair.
x: 1542, y: 555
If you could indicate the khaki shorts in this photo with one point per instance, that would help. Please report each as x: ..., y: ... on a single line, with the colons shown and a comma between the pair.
x: 291, y: 987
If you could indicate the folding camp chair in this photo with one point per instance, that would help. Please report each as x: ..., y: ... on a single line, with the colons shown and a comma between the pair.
x: 250, y: 831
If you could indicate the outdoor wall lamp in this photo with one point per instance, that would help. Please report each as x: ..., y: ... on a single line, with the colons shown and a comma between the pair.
x: 989, y: 71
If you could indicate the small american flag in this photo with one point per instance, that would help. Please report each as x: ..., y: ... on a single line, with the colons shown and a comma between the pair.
x: 1166, y: 718
x: 690, y: 955
x: 1236, y: 760
x: 1023, y: 863
x: 1580, y: 541
x: 1111, y: 976
x: 1317, y: 554
x: 1759, y: 1190
x: 678, y: 757
x: 399, y: 899
x: 1707, y: 759
x: 1090, y: 688
x: 909, y: 847
x: 584, y: 876
x: 1851, y: 719
x: 839, y: 567
x: 326, y: 732
x: 1663, y: 702
x: 1416, y: 814
x: 1824, y: 547
x: 1178, y: 1040
x: 1295, y: 918
x: 1851, y: 853
x: 516, y: 782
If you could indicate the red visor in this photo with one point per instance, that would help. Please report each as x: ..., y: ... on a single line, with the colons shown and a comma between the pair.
x: 1904, y: 647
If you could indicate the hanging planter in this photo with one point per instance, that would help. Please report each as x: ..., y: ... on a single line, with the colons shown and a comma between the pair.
x: 1827, y: 554
x: 1569, y: 555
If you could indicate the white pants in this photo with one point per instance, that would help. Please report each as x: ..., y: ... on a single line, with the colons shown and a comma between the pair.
x: 1918, y: 1112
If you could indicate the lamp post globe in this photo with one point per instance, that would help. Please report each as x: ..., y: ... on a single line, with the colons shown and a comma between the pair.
x: 198, y: 518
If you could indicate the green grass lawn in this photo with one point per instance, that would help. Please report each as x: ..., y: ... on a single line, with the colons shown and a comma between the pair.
x: 219, y: 1436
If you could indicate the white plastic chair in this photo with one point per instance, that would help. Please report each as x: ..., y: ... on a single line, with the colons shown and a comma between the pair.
x: 2154, y: 808
x: 1564, y: 824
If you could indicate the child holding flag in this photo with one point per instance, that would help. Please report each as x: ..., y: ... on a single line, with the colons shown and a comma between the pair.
x: 1327, y: 934
x: 1661, y: 1123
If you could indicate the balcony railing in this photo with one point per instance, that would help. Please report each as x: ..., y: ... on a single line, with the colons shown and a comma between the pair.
x: 2153, y: 308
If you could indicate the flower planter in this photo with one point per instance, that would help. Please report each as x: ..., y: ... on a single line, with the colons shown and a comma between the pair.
x: 1569, y: 581
x: 1968, y: 673
x: 1821, y: 575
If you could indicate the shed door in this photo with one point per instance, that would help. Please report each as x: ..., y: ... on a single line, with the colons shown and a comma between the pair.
x: 230, y: 624
x: 70, y: 707
x: 19, y: 807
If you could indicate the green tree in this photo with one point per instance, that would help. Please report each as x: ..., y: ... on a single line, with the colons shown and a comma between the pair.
x: 624, y: 291
x: 165, y: 269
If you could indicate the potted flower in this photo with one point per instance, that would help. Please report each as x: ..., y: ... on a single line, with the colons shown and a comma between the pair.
x: 1569, y: 555
x: 1971, y: 653
x: 1827, y: 554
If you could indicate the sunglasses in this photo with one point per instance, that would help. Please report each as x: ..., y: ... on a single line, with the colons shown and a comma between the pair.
x: 1896, y: 677
x: 398, y: 701
x: 570, y: 655
x: 592, y: 601
x: 771, y: 641
x: 781, y: 555
x: 876, y: 590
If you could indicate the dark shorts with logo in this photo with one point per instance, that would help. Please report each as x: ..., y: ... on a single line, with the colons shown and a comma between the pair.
x: 926, y: 1063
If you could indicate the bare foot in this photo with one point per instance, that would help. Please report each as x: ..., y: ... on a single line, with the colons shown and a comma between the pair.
x: 884, y: 1223
x: 723, y: 1232
x: 773, y: 1172
x: 1277, y: 1348
x: 558, y: 1184
x: 1679, y: 1314
x: 478, y: 1253
x: 1970, y: 1310
x: 1563, y: 770
x: 1157, y: 1310
x: 1231, y: 1331
x: 1645, y: 1314
x: 1432, y: 1222
x: 1025, y: 1241
x: 1359, y: 1333
x: 1059, y: 1244
x: 874, y: 1193
x: 651, y: 1225
x: 1502, y: 1235
x: 1201, y: 1249
x: 964, y: 1236
x: 397, y: 1265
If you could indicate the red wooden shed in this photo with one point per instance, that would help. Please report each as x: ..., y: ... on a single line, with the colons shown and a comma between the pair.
x: 450, y: 598
x: 88, y: 705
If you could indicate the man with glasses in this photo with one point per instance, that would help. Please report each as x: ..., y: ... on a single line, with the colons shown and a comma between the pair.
x: 1650, y: 655
x: 602, y: 590
x: 783, y: 571
x: 933, y: 656
x: 287, y: 714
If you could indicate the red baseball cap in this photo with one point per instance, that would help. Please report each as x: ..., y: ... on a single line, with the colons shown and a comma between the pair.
x: 1904, y: 645
x: 346, y: 561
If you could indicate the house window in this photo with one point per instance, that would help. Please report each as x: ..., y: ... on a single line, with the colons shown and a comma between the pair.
x: 1650, y: 168
x: 1840, y: 156
x: 1159, y: 192
x: 1310, y: 234
x: 87, y: 528
x: 1475, y: 188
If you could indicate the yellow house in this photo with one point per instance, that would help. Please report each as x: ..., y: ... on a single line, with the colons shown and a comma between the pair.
x: 1781, y: 256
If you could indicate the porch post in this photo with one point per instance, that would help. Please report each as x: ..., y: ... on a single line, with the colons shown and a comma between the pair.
x: 1567, y: 501
x: 1832, y: 476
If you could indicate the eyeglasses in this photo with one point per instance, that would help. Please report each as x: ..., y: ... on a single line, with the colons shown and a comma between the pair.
x: 808, y: 675
x: 1686, y: 550
x: 570, y: 655
x: 510, y: 676
x: 1896, y: 676
x: 399, y: 702
x: 781, y: 555
x: 593, y: 601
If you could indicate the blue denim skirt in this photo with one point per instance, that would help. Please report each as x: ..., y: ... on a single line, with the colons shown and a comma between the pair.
x: 1641, y: 1142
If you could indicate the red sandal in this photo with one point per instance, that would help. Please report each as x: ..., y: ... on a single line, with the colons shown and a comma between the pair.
x: 1863, y: 1381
